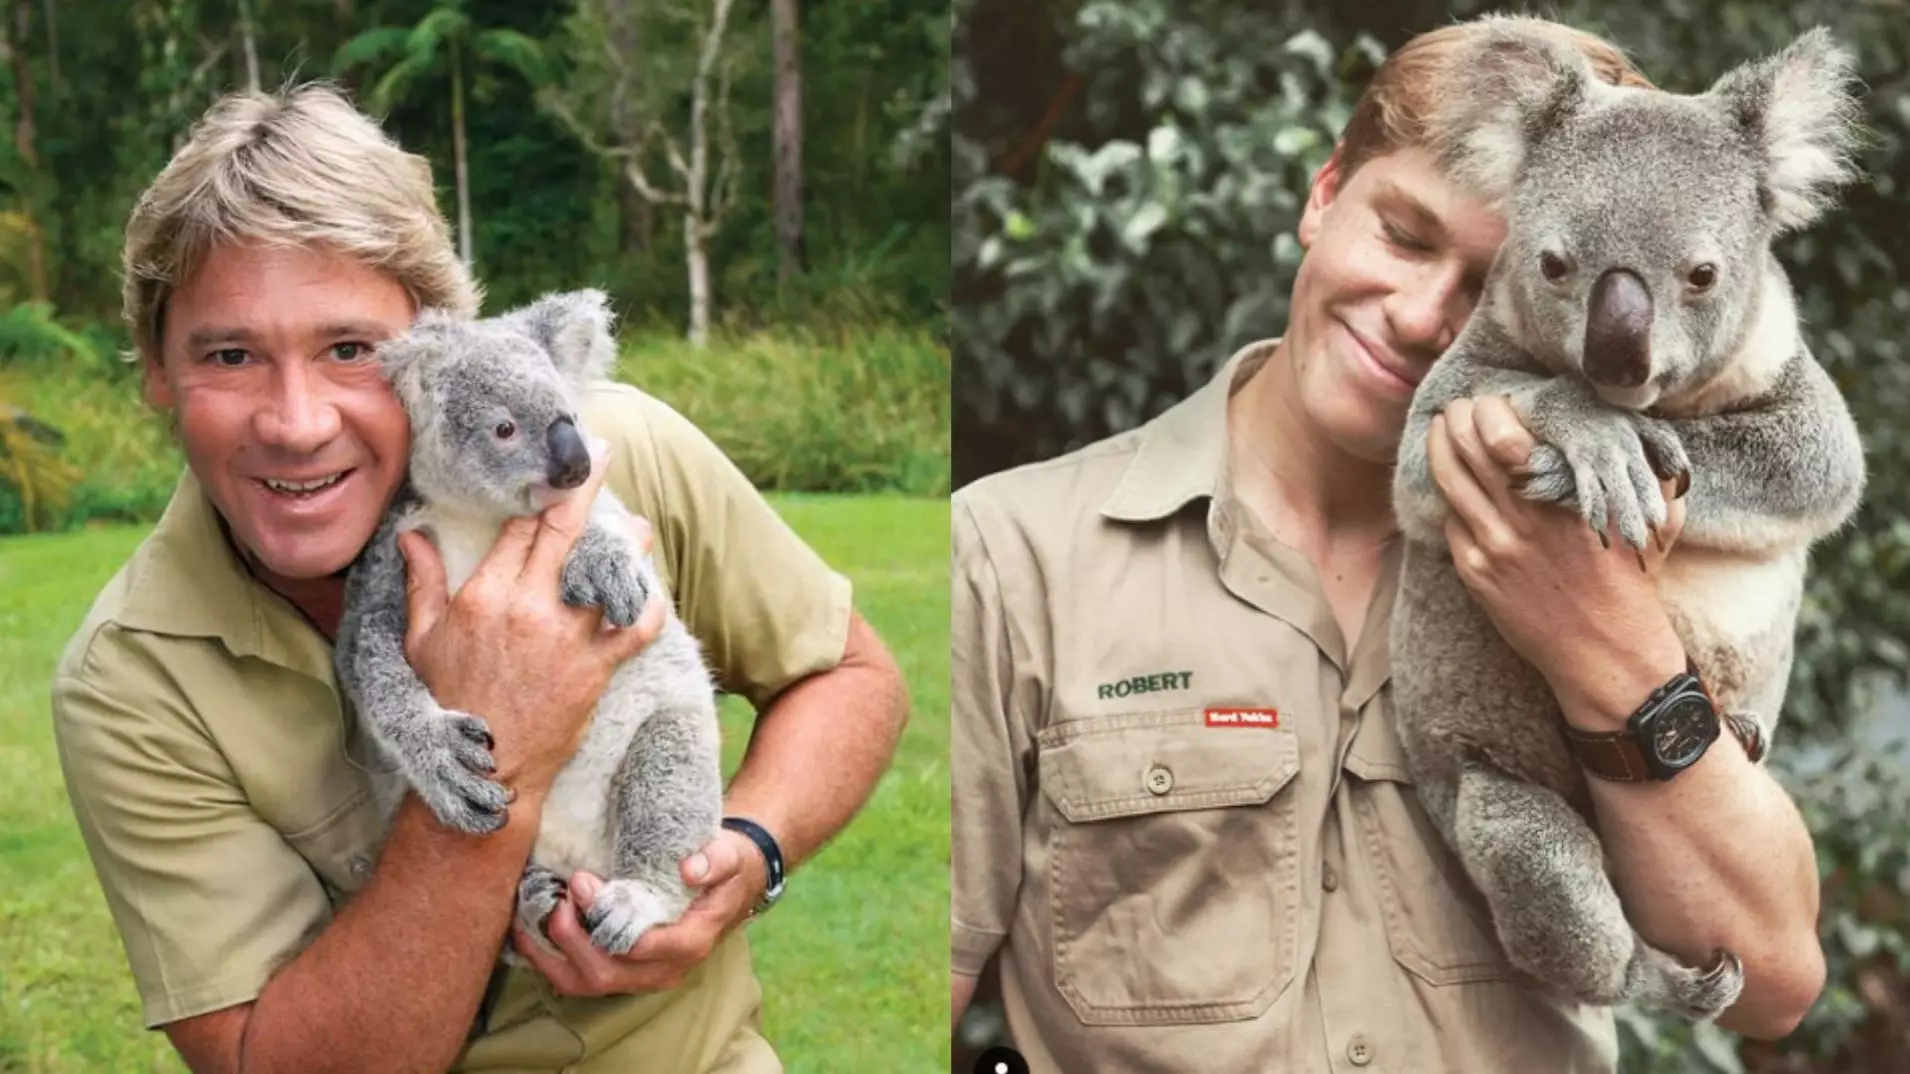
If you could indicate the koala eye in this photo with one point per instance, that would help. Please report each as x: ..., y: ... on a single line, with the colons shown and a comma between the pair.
x: 1702, y: 277
x: 505, y: 430
x: 1552, y: 266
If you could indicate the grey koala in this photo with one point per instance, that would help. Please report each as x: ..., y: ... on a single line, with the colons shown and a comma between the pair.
x: 494, y: 434
x: 1642, y: 329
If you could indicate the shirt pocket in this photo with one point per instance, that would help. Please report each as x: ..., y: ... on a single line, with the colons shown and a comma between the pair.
x: 1174, y: 867
x: 343, y: 846
x: 1437, y: 923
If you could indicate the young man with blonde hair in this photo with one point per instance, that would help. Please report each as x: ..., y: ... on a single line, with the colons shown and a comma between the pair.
x: 272, y: 921
x: 1182, y: 817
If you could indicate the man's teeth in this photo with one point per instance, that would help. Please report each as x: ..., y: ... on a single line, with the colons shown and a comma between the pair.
x: 302, y: 486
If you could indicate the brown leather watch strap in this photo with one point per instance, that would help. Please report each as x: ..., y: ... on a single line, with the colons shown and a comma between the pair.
x: 1609, y: 755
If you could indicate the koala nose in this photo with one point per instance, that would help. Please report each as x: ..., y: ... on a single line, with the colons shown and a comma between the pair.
x: 1618, y: 332
x: 569, y: 458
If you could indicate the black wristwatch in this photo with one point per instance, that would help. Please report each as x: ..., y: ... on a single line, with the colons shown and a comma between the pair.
x: 1668, y: 734
x: 772, y: 858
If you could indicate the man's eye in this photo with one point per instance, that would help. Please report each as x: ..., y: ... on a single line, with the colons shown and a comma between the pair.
x: 1399, y: 237
x: 351, y: 352
x: 230, y: 357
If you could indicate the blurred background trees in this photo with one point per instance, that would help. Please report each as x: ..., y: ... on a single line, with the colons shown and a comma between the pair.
x: 1128, y: 175
x: 621, y: 190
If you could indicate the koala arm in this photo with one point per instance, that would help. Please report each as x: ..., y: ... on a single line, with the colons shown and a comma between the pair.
x: 1467, y: 369
x: 1777, y: 473
x: 445, y: 756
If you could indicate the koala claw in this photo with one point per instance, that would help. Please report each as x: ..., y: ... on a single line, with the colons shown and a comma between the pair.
x: 603, y: 574
x: 623, y: 911
x: 449, y: 767
x: 1606, y: 464
x: 538, y: 893
x: 1706, y: 993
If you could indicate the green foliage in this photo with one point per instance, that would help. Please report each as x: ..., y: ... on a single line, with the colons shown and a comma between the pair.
x: 858, y: 409
x: 1153, y: 236
x: 1107, y: 261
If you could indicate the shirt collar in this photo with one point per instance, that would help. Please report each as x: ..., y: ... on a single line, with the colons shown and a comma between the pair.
x: 1183, y: 452
x: 187, y: 580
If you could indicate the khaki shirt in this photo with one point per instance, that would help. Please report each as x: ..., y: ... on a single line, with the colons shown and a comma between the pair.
x: 1181, y: 813
x: 205, y: 747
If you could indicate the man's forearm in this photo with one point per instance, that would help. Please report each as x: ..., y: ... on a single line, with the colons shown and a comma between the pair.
x: 394, y: 981
x: 1717, y: 858
x: 819, y: 748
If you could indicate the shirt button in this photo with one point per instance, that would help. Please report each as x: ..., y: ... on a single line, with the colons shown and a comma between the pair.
x: 360, y: 867
x: 1159, y: 780
x: 1330, y: 881
x: 1357, y: 1050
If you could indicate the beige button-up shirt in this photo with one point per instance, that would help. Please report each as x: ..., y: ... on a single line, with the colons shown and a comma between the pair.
x: 211, y: 760
x: 1180, y: 809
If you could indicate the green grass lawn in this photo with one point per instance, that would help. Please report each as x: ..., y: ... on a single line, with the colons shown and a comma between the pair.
x: 853, y: 961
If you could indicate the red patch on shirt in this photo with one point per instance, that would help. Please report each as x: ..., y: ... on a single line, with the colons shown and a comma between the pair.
x: 1268, y: 718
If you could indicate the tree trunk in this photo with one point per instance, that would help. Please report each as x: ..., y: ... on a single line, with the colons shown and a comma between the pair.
x: 639, y: 220
x: 457, y: 143
x: 251, y: 47
x: 53, y: 42
x: 26, y: 143
x: 696, y: 252
x: 788, y: 139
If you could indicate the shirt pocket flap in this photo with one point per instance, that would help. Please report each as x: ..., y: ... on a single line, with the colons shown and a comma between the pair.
x: 1130, y: 766
x: 1375, y: 752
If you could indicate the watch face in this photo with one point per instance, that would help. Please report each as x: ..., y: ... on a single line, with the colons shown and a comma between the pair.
x: 1681, y: 731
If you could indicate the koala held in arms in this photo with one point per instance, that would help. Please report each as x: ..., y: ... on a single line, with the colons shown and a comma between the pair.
x: 1642, y: 329
x: 495, y: 433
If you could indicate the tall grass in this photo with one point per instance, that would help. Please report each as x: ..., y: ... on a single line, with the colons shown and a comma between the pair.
x: 836, y: 410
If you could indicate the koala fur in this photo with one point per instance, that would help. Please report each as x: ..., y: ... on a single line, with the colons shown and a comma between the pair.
x: 1642, y: 329
x: 644, y: 789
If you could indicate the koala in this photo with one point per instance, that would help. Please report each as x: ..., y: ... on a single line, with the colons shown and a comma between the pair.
x: 1642, y: 329
x: 495, y: 433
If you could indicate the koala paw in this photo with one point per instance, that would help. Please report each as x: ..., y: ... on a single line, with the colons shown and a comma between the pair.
x: 1608, y: 464
x: 623, y: 911
x: 602, y: 573
x: 448, y: 763
x: 538, y: 893
x: 1704, y: 994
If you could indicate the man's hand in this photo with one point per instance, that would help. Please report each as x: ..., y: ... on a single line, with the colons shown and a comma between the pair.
x: 731, y: 875
x: 1549, y: 585
x: 507, y: 648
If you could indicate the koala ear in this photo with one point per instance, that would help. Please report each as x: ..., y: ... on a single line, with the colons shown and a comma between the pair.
x: 1505, y: 90
x: 406, y: 359
x: 1797, y: 111
x: 574, y: 326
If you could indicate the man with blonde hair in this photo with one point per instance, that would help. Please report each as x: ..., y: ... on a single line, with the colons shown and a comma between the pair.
x: 1182, y: 818
x: 273, y: 922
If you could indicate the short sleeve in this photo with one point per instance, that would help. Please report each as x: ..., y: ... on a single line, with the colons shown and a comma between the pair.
x: 765, y: 606
x: 208, y: 898
x: 987, y: 755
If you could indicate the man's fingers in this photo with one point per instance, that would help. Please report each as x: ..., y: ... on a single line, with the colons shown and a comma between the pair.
x: 1674, y: 514
x: 685, y: 942
x: 555, y: 968
x: 1462, y: 428
x: 1503, y: 435
x: 623, y: 643
x: 560, y: 524
x: 1470, y: 504
x: 425, y: 595
x: 719, y: 860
